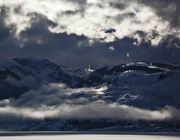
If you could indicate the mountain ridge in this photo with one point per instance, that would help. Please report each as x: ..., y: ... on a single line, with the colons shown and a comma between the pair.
x: 28, y: 73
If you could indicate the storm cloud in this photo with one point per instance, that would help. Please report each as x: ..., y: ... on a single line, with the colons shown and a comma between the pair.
x: 84, y: 30
x: 168, y: 10
x: 80, y: 18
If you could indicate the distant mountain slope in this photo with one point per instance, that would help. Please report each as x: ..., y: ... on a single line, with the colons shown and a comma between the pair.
x: 137, y: 84
x: 106, y: 75
x: 11, y: 74
x: 21, y: 74
x: 46, y: 71
x: 39, y: 92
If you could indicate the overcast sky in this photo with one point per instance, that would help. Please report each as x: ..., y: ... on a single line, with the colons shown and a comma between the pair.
x: 79, y: 33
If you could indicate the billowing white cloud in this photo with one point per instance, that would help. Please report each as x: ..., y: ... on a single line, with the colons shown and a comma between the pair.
x: 91, y: 18
x: 57, y: 101
x: 94, y: 110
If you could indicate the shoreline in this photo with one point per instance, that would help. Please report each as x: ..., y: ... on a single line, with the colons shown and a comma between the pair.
x: 43, y: 133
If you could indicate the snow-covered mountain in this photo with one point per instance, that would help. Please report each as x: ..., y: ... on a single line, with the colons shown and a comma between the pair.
x: 132, y: 91
x: 107, y: 75
x: 13, y: 79
x: 21, y: 74
x: 46, y: 71
x: 144, y: 90
x: 140, y: 84
x: 128, y: 80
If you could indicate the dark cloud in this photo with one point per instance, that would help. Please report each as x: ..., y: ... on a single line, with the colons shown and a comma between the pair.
x: 111, y: 30
x: 118, y: 4
x: 4, y: 31
x: 167, y: 9
x: 78, y: 50
x: 65, y: 49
